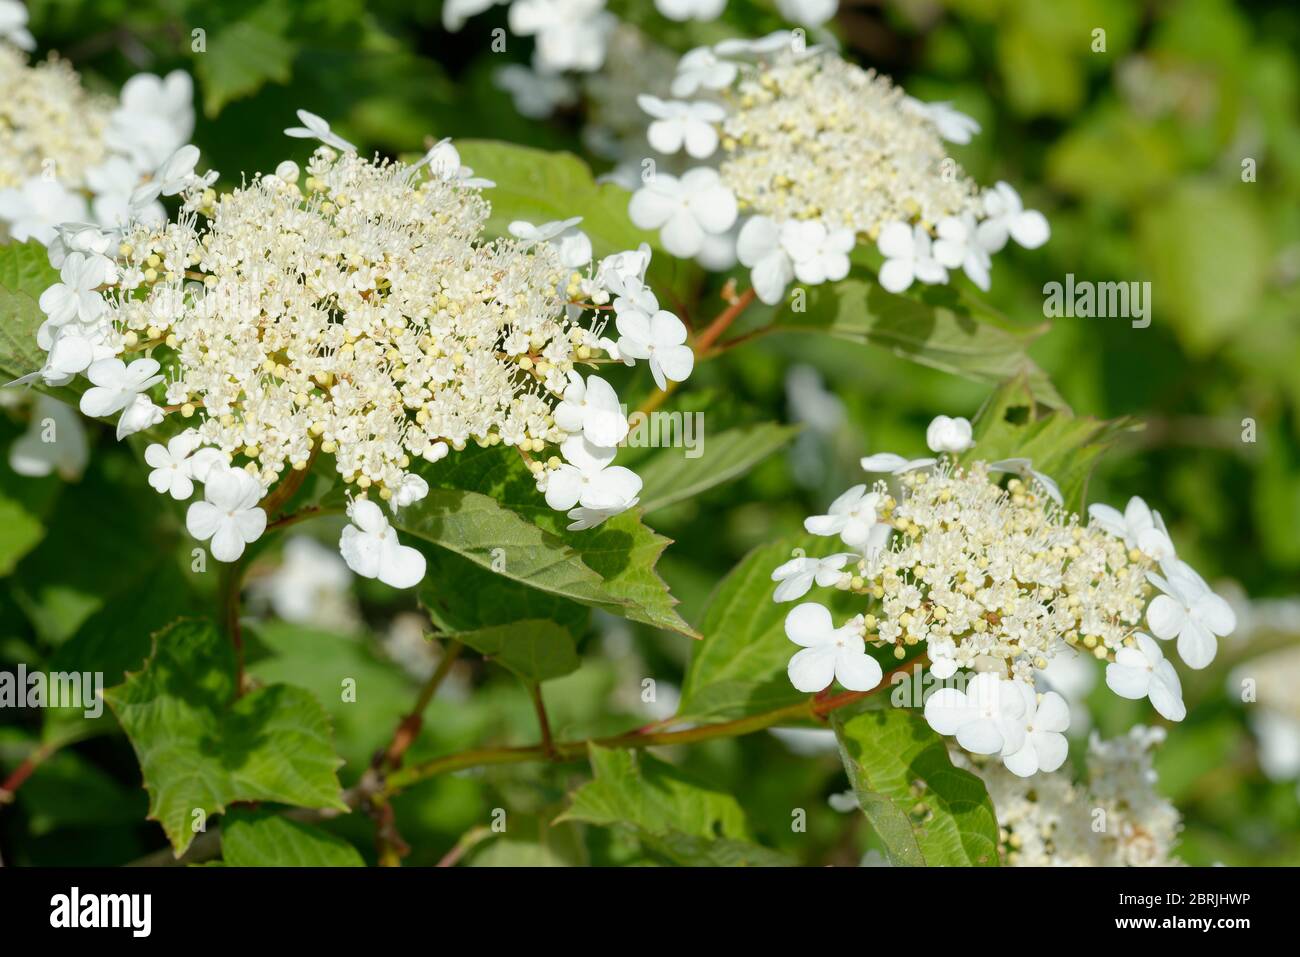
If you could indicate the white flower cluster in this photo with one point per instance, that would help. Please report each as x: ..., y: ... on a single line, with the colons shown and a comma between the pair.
x: 67, y: 155
x: 357, y: 312
x: 818, y: 154
x: 1113, y: 818
x: 996, y: 580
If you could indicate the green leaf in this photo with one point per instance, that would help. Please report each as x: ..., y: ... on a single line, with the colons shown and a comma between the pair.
x: 200, y: 748
x: 676, y: 474
x: 460, y: 595
x: 532, y: 649
x: 926, y: 811
x: 484, y: 505
x: 244, y: 56
x: 739, y: 668
x: 1059, y: 444
x: 266, y: 839
x: 935, y: 326
x: 20, y: 532
x: 25, y: 273
x: 541, y: 186
x: 669, y: 812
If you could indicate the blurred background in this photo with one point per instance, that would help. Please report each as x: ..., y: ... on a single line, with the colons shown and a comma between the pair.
x: 1172, y: 155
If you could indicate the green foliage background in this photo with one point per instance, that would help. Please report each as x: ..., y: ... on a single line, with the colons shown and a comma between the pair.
x: 1134, y: 154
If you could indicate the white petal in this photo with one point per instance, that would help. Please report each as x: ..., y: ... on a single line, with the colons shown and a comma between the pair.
x: 810, y: 624
x: 812, y: 669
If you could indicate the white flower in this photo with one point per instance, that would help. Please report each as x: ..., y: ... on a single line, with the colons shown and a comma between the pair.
x: 55, y: 441
x: 828, y: 653
x: 819, y: 254
x: 411, y: 490
x: 691, y: 9
x: 205, y: 460
x: 958, y: 246
x: 314, y: 127
x: 75, y: 298
x: 798, y: 574
x: 700, y: 69
x: 171, y: 178
x: 371, y: 549
x: 908, y: 253
x: 154, y: 118
x: 1142, y: 671
x: 585, y: 517
x: 946, y: 434
x: 777, y: 41
x: 572, y: 243
x: 852, y: 516
x: 1189, y: 610
x: 624, y: 270
x: 660, y: 340
x: 1139, y: 526
x: 79, y: 238
x: 893, y: 464
x: 811, y: 12
x: 171, y: 465
x: 986, y: 717
x: 13, y: 25
x: 536, y: 95
x: 35, y: 209
x: 1045, y: 749
x: 1007, y: 216
x: 456, y: 12
x: 678, y: 123
x: 1024, y: 468
x: 141, y: 414
x: 116, y: 385
x: 571, y: 34
x: 593, y: 409
x: 588, y: 479
x: 228, y: 514
x: 684, y: 210
x: 311, y: 585
x: 760, y: 248
x: 953, y: 125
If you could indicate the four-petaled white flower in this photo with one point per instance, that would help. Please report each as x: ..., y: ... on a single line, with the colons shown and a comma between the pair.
x: 684, y: 210
x: 228, y: 514
x: 986, y: 717
x: 316, y: 128
x: 1140, y: 527
x: 1045, y: 719
x: 958, y: 247
x: 55, y: 441
x: 852, y: 517
x: 798, y: 574
x: 828, y: 653
x: 819, y: 254
x: 411, y: 489
x: 75, y: 298
x: 1190, y: 611
x: 678, y: 124
x: 760, y: 248
x: 586, y: 478
x: 947, y: 434
x: 592, y: 408
x: 371, y: 549
x: 172, y: 465
x: 700, y: 69
x: 660, y: 339
x: 1007, y: 216
x: 1142, y: 671
x: 573, y: 245
x: 171, y: 178
x: 909, y: 255
x: 34, y: 209
x: 116, y: 385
